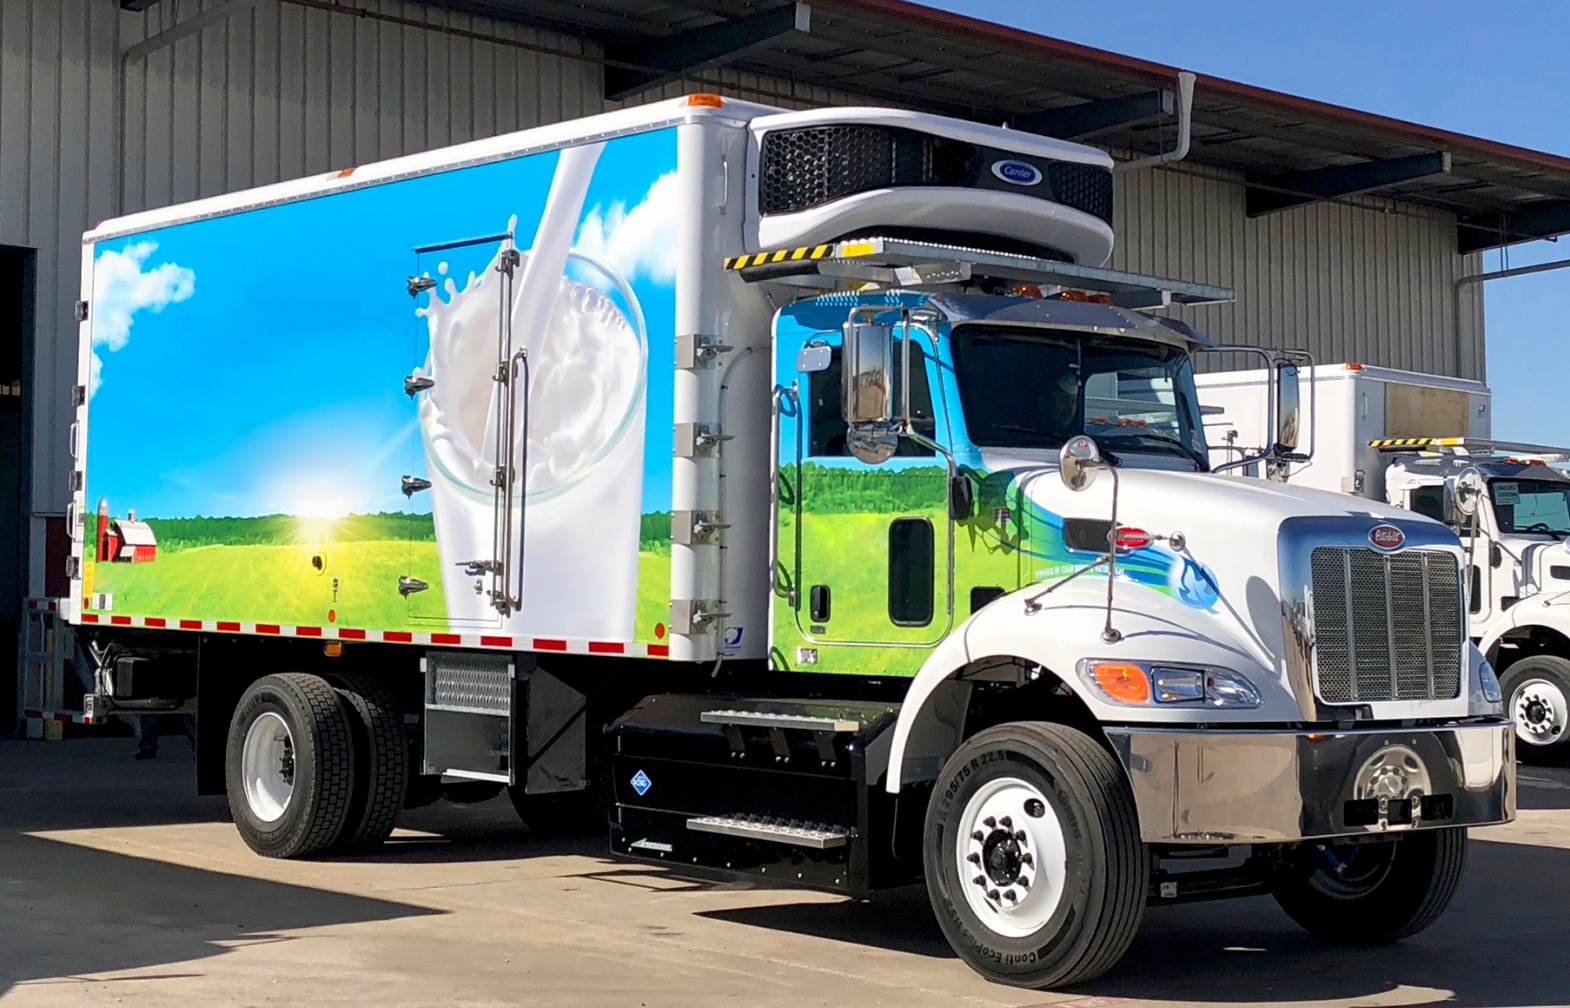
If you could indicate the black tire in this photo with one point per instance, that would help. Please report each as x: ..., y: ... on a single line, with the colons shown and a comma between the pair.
x: 321, y: 765
x: 1105, y: 867
x: 1537, y: 741
x: 1400, y: 887
x: 381, y: 762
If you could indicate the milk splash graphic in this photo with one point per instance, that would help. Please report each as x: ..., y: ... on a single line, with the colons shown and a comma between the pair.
x: 582, y: 450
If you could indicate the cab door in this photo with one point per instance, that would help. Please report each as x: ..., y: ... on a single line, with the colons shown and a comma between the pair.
x: 866, y: 548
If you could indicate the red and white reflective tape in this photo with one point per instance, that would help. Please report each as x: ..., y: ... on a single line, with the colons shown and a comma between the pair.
x: 67, y: 716
x: 560, y: 645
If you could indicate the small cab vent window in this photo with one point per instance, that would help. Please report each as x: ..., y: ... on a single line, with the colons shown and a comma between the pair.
x: 911, y: 571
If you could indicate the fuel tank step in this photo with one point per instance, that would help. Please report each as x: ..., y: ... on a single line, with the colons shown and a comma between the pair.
x: 785, y: 789
x: 819, y: 836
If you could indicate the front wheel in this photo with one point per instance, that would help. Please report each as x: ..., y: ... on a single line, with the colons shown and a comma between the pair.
x: 1375, y: 891
x: 1033, y: 858
x: 1538, y: 693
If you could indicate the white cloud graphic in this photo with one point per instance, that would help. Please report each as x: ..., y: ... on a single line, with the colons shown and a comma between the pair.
x: 121, y: 288
x: 640, y: 241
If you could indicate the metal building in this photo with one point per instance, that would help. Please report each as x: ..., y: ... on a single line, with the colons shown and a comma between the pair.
x: 1346, y: 233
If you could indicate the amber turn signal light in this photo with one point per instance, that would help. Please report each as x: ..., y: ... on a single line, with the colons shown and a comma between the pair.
x: 1123, y: 683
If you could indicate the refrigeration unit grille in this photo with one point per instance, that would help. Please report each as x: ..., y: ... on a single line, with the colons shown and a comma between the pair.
x: 1386, y: 626
x: 812, y: 165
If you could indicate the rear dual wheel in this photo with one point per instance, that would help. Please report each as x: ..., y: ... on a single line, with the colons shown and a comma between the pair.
x: 314, y: 767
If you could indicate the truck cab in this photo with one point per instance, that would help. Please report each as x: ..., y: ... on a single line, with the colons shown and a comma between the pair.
x: 1423, y: 443
x: 1512, y: 511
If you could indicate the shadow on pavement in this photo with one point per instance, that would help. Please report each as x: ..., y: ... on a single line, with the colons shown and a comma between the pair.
x: 67, y: 910
x: 1505, y: 941
x: 899, y: 919
x: 1543, y: 788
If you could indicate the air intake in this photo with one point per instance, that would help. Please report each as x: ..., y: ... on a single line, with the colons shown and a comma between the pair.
x: 812, y: 165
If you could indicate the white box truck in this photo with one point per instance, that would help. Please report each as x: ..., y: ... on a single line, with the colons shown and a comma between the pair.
x: 1423, y: 442
x: 795, y: 491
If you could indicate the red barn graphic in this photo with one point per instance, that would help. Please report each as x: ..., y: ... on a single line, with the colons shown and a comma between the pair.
x: 124, y: 540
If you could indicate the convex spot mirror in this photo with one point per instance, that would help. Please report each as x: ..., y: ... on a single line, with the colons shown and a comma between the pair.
x: 1288, y: 408
x: 1078, y: 462
x: 1469, y: 491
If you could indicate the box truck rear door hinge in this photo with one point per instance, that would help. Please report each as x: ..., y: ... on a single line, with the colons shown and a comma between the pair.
x: 81, y: 311
x: 695, y: 439
x: 412, y: 485
x: 696, y: 616
x: 696, y: 528
x: 408, y: 586
x: 415, y: 384
x: 696, y: 350
x: 419, y: 284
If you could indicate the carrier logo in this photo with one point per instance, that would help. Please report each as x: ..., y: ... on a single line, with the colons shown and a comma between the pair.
x: 1017, y: 172
x: 1386, y: 537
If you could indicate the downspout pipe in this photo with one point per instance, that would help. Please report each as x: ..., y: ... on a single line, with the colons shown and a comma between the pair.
x: 1185, y: 113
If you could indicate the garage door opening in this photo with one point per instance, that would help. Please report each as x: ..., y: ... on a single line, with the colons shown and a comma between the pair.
x: 16, y: 354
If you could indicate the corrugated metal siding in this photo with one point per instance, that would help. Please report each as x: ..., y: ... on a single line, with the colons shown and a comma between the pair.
x: 277, y: 90
x: 1347, y: 283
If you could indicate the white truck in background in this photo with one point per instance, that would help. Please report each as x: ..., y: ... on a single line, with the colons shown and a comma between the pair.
x: 1423, y: 443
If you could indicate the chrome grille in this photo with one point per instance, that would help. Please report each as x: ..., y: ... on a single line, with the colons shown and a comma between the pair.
x: 1386, y: 626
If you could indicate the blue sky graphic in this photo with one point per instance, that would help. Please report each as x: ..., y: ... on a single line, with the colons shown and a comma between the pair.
x: 276, y: 386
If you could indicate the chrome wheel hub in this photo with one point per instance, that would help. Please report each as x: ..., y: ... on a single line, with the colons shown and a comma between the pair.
x: 1541, y: 712
x: 267, y: 767
x: 1011, y: 857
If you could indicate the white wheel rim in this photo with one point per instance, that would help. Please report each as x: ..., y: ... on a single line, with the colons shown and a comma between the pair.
x: 1011, y: 857
x: 1541, y: 712
x: 267, y: 767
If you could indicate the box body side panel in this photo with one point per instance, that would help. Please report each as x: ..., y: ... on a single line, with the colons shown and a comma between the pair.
x: 256, y: 464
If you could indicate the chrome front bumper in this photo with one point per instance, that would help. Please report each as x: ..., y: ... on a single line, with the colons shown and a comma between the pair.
x: 1226, y: 786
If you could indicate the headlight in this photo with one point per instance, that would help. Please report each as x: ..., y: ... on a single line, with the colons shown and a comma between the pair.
x: 1141, y: 684
x: 1489, y: 683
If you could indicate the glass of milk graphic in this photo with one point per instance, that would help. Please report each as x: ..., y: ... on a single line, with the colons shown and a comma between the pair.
x: 578, y: 431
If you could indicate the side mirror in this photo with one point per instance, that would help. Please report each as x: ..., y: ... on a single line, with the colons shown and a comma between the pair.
x: 1288, y: 409
x: 1078, y: 462
x: 962, y: 498
x: 869, y: 384
x: 1469, y: 491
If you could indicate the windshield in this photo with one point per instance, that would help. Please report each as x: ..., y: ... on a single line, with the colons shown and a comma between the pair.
x: 1523, y: 505
x: 1036, y: 388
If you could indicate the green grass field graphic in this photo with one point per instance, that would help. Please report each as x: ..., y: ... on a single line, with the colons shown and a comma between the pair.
x: 317, y: 572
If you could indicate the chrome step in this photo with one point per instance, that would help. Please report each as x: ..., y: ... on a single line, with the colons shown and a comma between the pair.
x: 760, y: 719
x: 819, y: 836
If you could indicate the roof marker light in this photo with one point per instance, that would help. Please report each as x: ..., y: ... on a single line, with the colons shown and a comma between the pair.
x: 702, y: 100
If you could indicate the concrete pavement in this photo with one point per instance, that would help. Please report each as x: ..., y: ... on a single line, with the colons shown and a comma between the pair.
x: 118, y: 886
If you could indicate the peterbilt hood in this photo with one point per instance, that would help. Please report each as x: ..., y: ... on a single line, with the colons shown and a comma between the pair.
x: 1217, y: 551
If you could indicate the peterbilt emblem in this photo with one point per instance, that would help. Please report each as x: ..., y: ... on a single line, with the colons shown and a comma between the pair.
x: 1386, y: 537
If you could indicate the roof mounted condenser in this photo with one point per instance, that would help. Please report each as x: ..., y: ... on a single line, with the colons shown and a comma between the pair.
x: 832, y: 174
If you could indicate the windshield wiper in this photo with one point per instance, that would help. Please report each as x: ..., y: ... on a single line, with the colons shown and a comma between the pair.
x: 1191, y: 454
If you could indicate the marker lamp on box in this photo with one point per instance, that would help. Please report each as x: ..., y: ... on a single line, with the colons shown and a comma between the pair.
x: 1151, y: 684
